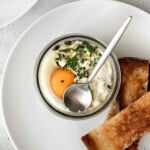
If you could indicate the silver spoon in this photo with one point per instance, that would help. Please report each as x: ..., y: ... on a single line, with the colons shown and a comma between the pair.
x: 78, y: 97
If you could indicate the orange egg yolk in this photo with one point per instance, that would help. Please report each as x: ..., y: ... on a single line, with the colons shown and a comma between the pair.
x: 60, y: 80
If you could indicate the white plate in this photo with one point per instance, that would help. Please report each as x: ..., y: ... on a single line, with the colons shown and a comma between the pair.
x: 28, y: 120
x: 10, y: 10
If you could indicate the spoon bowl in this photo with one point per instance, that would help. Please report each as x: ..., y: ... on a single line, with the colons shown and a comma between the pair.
x: 73, y: 95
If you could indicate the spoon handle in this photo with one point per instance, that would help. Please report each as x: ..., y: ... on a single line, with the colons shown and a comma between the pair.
x: 109, y: 49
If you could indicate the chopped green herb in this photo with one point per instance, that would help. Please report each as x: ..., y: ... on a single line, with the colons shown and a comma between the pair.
x: 80, y: 50
x: 75, y: 57
x: 88, y: 46
x: 57, y: 59
x: 72, y: 62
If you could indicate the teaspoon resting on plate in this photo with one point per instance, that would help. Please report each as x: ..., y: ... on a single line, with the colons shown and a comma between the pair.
x: 78, y: 97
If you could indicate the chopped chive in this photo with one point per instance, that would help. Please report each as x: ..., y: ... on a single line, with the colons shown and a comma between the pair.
x: 88, y: 46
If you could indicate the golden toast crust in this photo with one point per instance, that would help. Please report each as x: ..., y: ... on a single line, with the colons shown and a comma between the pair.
x: 127, y: 89
x: 140, y: 89
x: 134, y: 81
x: 122, y: 130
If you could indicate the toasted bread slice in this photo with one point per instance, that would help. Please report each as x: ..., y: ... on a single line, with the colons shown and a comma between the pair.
x: 134, y: 83
x: 134, y: 145
x: 144, y: 87
x: 137, y: 71
x: 134, y: 80
x: 123, y: 129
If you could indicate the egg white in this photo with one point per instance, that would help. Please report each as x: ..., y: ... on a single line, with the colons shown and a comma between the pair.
x: 46, y: 68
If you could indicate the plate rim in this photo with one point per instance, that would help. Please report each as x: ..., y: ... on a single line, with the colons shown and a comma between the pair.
x: 19, y: 15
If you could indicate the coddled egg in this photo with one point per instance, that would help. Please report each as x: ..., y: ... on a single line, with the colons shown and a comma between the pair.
x: 54, y: 78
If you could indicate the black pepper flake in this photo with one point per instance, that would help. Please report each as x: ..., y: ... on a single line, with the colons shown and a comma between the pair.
x: 82, y: 60
x: 109, y: 86
x: 62, y: 81
x: 57, y: 63
x: 56, y: 47
x: 100, y: 55
x: 68, y: 42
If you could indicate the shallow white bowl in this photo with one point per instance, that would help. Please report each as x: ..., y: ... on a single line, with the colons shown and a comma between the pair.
x: 30, y: 125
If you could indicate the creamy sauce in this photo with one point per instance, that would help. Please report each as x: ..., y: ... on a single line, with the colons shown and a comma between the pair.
x: 61, y: 55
